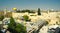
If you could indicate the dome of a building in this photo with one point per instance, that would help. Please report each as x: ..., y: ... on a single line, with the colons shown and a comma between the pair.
x: 14, y: 9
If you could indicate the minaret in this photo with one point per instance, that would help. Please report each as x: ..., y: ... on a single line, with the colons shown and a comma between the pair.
x: 48, y: 11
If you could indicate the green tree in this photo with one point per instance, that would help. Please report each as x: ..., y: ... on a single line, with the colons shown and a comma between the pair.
x: 20, y: 28
x: 1, y: 18
x: 29, y: 11
x: 26, y: 18
x: 18, y: 11
x: 13, y: 27
x: 39, y: 12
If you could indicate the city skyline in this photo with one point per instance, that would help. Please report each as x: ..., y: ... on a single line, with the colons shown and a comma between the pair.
x: 30, y: 4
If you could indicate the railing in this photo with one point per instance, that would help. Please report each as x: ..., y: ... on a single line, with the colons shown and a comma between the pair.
x: 31, y: 30
x: 40, y: 25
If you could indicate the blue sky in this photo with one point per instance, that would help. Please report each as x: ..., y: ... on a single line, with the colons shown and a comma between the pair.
x: 30, y: 4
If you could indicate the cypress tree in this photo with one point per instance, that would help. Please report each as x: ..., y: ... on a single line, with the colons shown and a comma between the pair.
x: 39, y: 13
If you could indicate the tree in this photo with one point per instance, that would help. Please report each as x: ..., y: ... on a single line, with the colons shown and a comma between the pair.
x: 13, y: 27
x: 29, y: 11
x: 39, y: 13
x: 1, y: 18
x: 18, y: 11
x: 26, y: 18
x: 12, y: 23
x: 20, y: 28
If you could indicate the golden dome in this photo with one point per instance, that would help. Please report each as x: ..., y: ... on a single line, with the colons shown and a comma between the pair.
x: 14, y: 8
